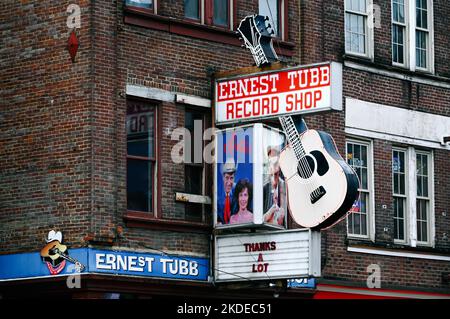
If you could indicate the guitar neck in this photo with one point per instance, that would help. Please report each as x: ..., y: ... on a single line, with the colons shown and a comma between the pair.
x: 292, y: 135
x: 68, y: 258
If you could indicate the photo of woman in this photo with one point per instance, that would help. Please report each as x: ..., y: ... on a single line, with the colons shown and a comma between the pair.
x: 242, y: 196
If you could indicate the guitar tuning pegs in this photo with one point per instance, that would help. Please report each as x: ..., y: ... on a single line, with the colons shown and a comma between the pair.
x: 266, y: 18
x: 242, y: 45
x: 269, y: 25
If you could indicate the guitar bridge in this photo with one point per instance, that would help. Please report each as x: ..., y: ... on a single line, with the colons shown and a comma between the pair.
x: 317, y: 194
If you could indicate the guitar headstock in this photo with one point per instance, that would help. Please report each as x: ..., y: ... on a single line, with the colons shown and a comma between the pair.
x: 256, y: 36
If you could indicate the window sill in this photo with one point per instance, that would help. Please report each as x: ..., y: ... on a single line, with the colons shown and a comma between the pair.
x: 145, y: 18
x: 398, y: 250
x: 144, y: 220
x: 392, y: 70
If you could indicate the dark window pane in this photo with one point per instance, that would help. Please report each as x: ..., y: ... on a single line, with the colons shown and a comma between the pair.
x: 357, y: 223
x: 401, y: 230
x: 419, y: 186
x: 140, y: 130
x: 193, y: 179
x: 139, y: 185
x: 220, y: 12
x: 425, y: 186
x: 194, y: 124
x: 363, y: 224
x: 193, y: 212
x: 191, y: 9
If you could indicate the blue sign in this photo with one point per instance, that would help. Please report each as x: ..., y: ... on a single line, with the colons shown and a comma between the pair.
x: 302, y: 283
x: 149, y: 265
x: 30, y: 265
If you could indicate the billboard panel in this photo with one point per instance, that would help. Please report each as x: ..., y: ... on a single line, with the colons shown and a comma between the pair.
x: 249, y: 186
x: 304, y: 89
x: 285, y: 254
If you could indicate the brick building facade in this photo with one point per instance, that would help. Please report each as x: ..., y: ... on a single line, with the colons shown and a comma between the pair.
x: 65, y: 150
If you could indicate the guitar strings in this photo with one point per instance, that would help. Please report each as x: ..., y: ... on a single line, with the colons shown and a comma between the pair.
x: 304, y: 167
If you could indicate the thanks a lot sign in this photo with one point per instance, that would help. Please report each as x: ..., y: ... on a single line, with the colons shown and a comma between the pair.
x: 264, y: 256
x: 304, y: 89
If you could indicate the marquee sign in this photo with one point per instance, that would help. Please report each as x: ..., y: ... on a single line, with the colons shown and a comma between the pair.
x: 304, y: 89
x: 125, y: 263
x: 266, y: 256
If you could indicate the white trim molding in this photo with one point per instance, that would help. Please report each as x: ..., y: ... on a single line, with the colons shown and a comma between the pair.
x: 443, y: 83
x: 166, y: 96
x: 385, y: 252
x: 193, y: 100
x: 399, y: 125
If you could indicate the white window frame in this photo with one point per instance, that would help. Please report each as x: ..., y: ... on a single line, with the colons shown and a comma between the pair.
x: 430, y: 215
x: 370, y: 184
x: 406, y: 35
x: 368, y: 31
x: 411, y: 198
x: 406, y: 196
x: 281, y: 16
x: 410, y: 37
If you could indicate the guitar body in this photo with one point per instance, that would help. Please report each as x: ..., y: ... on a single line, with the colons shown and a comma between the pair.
x: 321, y: 186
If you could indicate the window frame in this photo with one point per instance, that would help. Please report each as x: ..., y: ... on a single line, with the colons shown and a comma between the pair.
x: 429, y: 198
x: 153, y: 10
x: 200, y: 12
x: 406, y: 196
x: 204, y: 179
x: 368, y: 31
x: 154, y: 160
x: 370, y: 218
x: 411, y: 234
x: 282, y: 22
x: 206, y: 12
x: 406, y: 56
x: 410, y: 38
x: 430, y: 36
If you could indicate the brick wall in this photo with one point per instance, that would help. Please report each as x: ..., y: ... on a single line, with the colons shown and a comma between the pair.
x: 45, y: 147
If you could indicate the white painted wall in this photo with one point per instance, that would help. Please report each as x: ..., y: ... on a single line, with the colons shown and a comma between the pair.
x: 396, y: 124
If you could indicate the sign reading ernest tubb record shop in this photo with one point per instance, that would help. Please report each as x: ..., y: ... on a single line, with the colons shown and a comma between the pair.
x: 297, y: 90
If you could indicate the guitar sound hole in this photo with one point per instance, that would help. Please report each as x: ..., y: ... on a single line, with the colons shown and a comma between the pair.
x: 305, y: 167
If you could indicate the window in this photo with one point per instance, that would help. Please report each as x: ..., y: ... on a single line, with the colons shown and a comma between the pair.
x: 357, y: 34
x: 423, y: 200
x: 399, y: 193
x: 221, y: 12
x: 141, y: 156
x: 148, y: 4
x: 192, y: 9
x: 422, y: 34
x: 271, y: 9
x: 194, y: 169
x: 359, y: 158
x: 412, y: 196
x: 412, y: 34
x: 211, y: 12
x: 398, y: 32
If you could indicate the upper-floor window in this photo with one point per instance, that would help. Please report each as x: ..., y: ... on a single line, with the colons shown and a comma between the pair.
x: 194, y: 167
x: 412, y: 196
x: 358, y: 35
x: 412, y: 34
x: 210, y: 12
x: 360, y: 159
x: 192, y: 9
x: 271, y: 9
x: 141, y: 156
x: 148, y: 4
